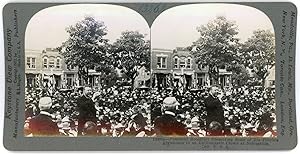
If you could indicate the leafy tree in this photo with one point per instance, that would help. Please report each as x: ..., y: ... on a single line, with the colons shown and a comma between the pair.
x: 259, y: 53
x: 240, y: 75
x: 108, y: 75
x: 86, y: 46
x: 217, y: 46
x: 130, y: 52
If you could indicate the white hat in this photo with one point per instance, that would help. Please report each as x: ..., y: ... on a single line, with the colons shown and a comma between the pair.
x: 45, y: 103
x: 65, y: 126
x: 195, y: 127
x: 195, y: 119
x: 170, y: 102
x: 65, y: 119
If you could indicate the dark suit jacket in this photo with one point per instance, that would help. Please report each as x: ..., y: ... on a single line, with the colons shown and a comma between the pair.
x: 86, y: 108
x: 167, y: 125
x: 215, y: 111
x: 42, y: 125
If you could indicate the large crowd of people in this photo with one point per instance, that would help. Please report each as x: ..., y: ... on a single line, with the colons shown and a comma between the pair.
x: 149, y: 112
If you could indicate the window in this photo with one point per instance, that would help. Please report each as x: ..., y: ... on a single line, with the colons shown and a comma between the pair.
x: 70, y: 67
x: 70, y: 80
x: 57, y: 63
x: 30, y: 62
x: 175, y: 62
x: 51, y: 63
x: 189, y: 63
x: 272, y: 82
x: 182, y: 62
x: 161, y: 62
x: 92, y: 67
x: 45, y: 63
x: 200, y: 78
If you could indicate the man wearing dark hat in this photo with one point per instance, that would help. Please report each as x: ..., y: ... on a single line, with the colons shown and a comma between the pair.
x: 42, y: 124
x: 214, y: 129
x: 89, y: 129
x: 214, y: 108
x: 136, y: 126
x: 86, y: 109
x: 167, y: 125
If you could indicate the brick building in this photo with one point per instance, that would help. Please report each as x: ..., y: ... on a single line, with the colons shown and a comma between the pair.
x: 177, y: 68
x: 47, y: 68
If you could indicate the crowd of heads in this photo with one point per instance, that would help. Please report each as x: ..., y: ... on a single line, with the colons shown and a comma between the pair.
x: 121, y: 111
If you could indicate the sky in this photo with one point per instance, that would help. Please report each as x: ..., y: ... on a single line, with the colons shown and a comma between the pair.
x: 47, y: 28
x: 176, y: 27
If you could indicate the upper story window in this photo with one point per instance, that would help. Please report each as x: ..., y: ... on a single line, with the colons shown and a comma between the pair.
x: 182, y: 62
x: 45, y: 63
x: 31, y: 62
x: 91, y: 67
x: 70, y: 67
x: 51, y: 63
x: 161, y: 62
x: 176, y: 62
x: 58, y: 63
x: 189, y: 63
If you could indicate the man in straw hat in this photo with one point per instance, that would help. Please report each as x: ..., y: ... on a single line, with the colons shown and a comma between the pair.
x: 66, y: 129
x: 42, y: 124
x: 167, y: 125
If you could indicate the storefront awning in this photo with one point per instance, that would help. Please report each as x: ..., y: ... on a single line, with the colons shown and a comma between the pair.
x: 32, y: 73
x: 161, y: 72
x: 57, y: 74
x: 51, y: 74
x: 225, y: 73
x: 177, y: 77
x: 178, y: 74
x: 188, y: 73
x: 184, y: 73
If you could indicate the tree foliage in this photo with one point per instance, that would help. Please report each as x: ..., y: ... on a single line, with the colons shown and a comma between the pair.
x: 217, y: 45
x: 259, y: 53
x: 86, y: 45
x: 108, y: 75
x: 131, y: 51
x: 240, y: 75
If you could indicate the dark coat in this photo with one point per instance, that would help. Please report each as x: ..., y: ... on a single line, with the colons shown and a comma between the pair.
x: 86, y: 109
x: 167, y: 125
x: 215, y: 111
x: 87, y: 112
x: 42, y: 125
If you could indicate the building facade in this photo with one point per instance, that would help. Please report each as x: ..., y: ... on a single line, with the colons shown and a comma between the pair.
x: 169, y: 68
x: 178, y: 69
x: 47, y: 68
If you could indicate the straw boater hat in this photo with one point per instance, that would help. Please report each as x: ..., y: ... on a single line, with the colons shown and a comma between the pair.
x: 194, y: 123
x: 65, y: 123
x: 66, y: 119
x: 195, y: 119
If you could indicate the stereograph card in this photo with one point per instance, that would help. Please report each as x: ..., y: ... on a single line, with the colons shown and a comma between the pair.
x: 150, y: 76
